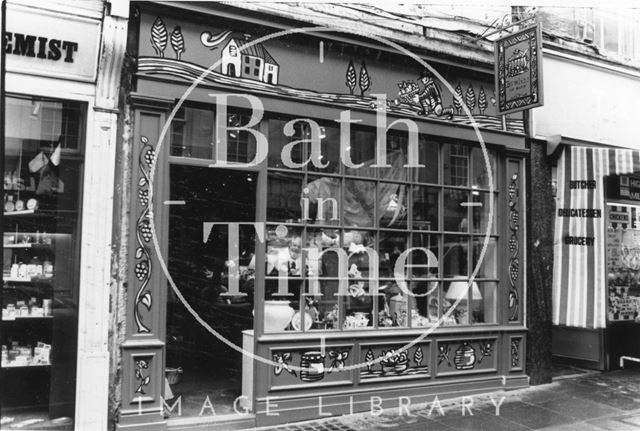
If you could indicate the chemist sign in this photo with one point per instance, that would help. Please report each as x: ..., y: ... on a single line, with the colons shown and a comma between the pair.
x: 40, y: 42
x: 518, y: 70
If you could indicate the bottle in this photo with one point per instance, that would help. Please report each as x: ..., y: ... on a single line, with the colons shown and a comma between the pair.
x: 35, y: 267
x: 47, y: 268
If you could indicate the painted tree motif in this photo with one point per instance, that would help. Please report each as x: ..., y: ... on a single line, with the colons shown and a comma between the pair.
x: 159, y: 37
x: 418, y: 356
x: 177, y: 41
x: 351, y: 77
x: 364, y: 81
x: 482, y: 101
x: 459, y: 100
x: 470, y: 98
x: 369, y: 358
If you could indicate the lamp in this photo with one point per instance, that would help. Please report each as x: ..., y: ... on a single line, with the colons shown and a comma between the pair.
x: 459, y: 288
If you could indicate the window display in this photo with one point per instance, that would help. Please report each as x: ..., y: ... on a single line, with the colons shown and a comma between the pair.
x: 355, y: 223
x: 42, y: 185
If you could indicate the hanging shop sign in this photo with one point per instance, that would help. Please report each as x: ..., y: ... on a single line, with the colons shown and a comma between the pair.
x: 39, y: 42
x: 518, y: 70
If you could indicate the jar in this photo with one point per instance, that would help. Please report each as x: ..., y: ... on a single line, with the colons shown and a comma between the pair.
x: 313, y: 366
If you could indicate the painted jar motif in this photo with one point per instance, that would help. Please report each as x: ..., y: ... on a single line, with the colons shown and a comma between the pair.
x: 313, y: 364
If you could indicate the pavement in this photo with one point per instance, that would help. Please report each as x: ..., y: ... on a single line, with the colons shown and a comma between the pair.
x: 584, y: 402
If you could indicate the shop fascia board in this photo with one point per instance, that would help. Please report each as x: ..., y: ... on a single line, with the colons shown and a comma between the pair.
x: 86, y: 8
x: 159, y: 89
x: 445, y: 47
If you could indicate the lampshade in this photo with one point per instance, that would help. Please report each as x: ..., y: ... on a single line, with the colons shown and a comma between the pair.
x: 460, y: 288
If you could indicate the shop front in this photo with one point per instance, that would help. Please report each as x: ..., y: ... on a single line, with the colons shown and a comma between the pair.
x: 597, y: 270
x: 320, y: 203
x: 55, y: 232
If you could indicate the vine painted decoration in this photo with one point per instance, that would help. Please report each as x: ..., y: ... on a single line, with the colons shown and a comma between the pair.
x: 515, y: 353
x: 159, y: 37
x: 337, y: 360
x: 142, y: 268
x: 444, y: 350
x: 393, y: 362
x: 142, y: 376
x: 514, y: 261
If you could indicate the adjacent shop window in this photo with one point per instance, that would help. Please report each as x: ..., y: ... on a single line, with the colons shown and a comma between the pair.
x: 42, y: 201
x: 336, y: 230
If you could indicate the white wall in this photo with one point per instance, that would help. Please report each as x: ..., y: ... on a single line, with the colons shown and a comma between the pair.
x: 588, y: 102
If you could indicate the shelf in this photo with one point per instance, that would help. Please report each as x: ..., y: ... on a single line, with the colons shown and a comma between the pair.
x: 15, y: 213
x: 27, y: 245
x: 5, y: 367
x: 27, y: 318
x: 28, y: 280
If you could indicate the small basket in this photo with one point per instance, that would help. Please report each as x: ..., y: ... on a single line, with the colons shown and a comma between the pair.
x: 174, y: 375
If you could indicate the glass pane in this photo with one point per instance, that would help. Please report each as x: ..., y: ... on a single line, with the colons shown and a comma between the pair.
x: 425, y: 265
x: 330, y: 150
x: 277, y: 141
x: 458, y: 289
x: 480, y: 212
x: 426, y: 206
x: 284, y: 251
x: 321, y: 200
x: 358, y: 305
x: 455, y: 210
x: 455, y: 162
x: 362, y: 150
x: 323, y: 310
x: 455, y: 256
x: 43, y: 169
x: 192, y: 133
x: 428, y: 157
x: 321, y: 264
x: 392, y: 245
x: 283, y: 197
x: 359, y: 203
x: 426, y: 310
x: 392, y: 205
x: 489, y: 265
x: 484, y: 302
x: 241, y: 145
x: 479, y: 171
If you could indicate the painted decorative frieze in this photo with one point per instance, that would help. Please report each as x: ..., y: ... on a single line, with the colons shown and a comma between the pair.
x: 514, y: 246
x: 281, y: 68
x: 465, y: 355
x: 393, y: 361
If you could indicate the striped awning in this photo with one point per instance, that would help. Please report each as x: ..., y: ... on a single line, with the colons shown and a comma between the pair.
x: 580, y: 273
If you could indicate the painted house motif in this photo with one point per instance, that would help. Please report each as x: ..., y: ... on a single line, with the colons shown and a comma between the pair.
x: 253, y: 62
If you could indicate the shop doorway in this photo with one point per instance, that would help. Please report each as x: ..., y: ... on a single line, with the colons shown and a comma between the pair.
x: 200, y: 368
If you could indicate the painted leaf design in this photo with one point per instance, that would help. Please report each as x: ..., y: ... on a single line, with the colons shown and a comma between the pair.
x: 351, y: 77
x: 482, y: 101
x: 364, y: 81
x: 146, y: 381
x: 144, y: 140
x: 470, y: 98
x: 177, y: 41
x: 146, y: 300
x: 142, y: 181
x: 159, y: 36
x: 139, y: 253
x: 458, y: 101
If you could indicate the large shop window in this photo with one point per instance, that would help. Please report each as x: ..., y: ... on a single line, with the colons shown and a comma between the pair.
x: 336, y: 232
x: 41, y: 242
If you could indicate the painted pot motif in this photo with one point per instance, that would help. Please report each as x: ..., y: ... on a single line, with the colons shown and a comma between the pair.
x: 465, y: 358
x: 313, y: 364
